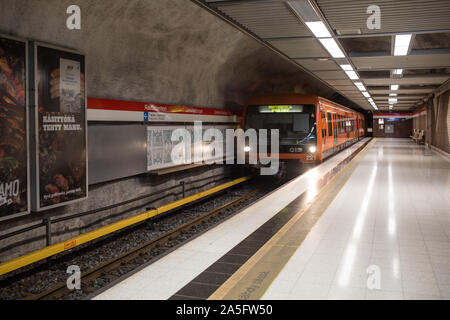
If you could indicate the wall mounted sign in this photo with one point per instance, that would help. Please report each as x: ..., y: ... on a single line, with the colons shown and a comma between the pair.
x: 131, y: 111
x: 14, y: 163
x: 61, y: 127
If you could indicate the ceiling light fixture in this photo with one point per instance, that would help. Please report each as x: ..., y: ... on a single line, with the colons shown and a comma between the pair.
x: 352, y: 75
x: 319, y: 29
x: 346, y: 67
x: 392, y: 95
x: 394, y: 87
x: 402, y: 42
x: 332, y: 47
x: 393, y: 100
x: 398, y: 72
x: 360, y: 86
x: 366, y: 94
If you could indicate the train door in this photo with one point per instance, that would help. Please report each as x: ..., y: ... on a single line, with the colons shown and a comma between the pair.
x: 357, y: 127
x: 330, y: 130
x: 323, y: 127
x: 336, y: 128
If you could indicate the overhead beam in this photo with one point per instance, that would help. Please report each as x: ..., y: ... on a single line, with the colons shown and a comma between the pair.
x: 425, y: 61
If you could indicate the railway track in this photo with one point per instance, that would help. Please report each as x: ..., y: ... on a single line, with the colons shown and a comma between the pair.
x: 105, y: 273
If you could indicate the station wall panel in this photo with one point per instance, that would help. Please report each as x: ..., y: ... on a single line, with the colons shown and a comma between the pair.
x: 116, y: 151
x: 395, y: 128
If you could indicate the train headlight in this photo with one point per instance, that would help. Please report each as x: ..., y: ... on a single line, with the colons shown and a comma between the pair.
x: 312, y: 149
x: 247, y: 149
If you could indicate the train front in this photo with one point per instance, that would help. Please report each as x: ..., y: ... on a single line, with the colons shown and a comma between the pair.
x: 297, y: 125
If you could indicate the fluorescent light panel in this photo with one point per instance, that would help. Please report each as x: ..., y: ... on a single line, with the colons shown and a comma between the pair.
x: 402, y: 42
x: 394, y: 87
x: 346, y: 67
x: 398, y: 71
x: 360, y: 86
x: 352, y: 75
x: 392, y: 94
x: 366, y: 94
x: 319, y: 29
x: 332, y: 47
x: 393, y: 100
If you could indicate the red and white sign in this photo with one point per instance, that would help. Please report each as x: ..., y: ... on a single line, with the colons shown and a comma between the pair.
x: 130, y: 111
x: 410, y: 115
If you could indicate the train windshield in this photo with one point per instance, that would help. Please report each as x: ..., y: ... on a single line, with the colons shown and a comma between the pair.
x: 293, y: 121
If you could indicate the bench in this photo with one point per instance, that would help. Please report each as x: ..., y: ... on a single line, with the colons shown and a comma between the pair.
x: 418, y: 136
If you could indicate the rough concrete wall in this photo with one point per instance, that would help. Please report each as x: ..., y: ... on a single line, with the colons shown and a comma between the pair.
x: 441, y: 122
x: 169, y: 51
x: 420, y: 122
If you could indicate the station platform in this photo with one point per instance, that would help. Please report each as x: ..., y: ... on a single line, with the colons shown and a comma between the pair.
x: 376, y: 211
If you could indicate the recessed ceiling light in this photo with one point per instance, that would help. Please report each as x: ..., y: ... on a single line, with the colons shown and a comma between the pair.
x: 393, y: 100
x: 319, y: 29
x: 402, y: 42
x: 346, y: 67
x: 398, y: 71
x: 366, y: 94
x: 360, y: 86
x: 394, y: 87
x: 352, y: 75
x: 332, y: 47
x: 392, y: 94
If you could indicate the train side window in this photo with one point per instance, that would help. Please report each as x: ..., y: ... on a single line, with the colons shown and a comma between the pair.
x: 324, y: 119
x: 330, y: 125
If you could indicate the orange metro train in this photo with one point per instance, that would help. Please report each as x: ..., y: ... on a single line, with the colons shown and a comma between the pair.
x: 311, y: 128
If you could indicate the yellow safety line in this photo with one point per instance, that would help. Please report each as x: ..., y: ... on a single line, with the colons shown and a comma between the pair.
x: 238, y: 276
x: 41, y: 254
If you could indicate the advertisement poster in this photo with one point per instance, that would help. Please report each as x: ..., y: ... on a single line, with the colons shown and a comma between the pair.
x: 160, y: 145
x: 14, y: 189
x: 61, y: 127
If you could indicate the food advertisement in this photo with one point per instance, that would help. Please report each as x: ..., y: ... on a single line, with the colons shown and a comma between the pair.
x: 14, y: 186
x: 61, y: 127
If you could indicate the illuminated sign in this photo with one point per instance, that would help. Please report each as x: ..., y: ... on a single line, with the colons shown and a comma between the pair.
x: 281, y: 108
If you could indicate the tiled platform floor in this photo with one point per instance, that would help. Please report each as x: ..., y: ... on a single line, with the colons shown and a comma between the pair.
x: 393, y: 214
